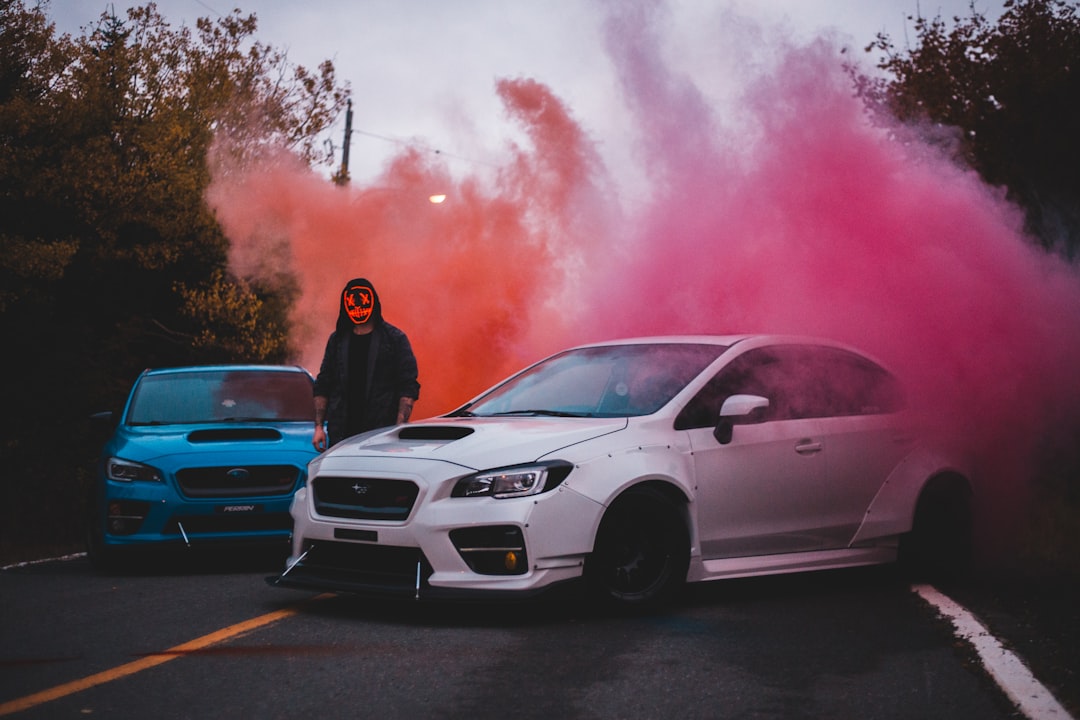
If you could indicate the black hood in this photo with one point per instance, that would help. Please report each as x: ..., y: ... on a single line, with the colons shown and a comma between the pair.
x: 344, y: 323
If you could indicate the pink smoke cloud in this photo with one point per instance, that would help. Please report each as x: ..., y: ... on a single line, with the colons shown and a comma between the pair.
x: 816, y: 223
x: 804, y: 219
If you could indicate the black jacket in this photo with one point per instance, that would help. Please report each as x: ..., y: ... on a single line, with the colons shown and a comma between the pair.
x: 391, y: 376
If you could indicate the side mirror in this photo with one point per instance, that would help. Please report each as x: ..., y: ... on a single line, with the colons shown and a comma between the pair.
x: 739, y: 410
x: 103, y: 420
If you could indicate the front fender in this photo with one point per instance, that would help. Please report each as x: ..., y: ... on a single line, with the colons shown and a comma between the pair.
x: 604, y: 477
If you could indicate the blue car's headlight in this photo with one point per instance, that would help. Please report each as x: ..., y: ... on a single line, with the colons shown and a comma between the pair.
x: 514, y: 481
x: 126, y: 471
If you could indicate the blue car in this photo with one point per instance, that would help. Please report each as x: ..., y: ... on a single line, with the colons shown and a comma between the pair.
x: 203, y: 456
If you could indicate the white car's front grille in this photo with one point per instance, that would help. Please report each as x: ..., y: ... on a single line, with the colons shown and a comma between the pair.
x: 364, y: 498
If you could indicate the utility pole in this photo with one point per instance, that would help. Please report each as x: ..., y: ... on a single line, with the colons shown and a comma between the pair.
x: 342, y: 176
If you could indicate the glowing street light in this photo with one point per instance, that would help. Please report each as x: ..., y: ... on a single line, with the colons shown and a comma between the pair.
x: 406, y: 192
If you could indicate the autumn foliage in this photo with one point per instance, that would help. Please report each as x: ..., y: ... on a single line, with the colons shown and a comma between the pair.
x: 110, y: 260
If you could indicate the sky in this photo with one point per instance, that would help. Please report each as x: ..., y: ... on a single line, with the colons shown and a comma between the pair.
x: 638, y: 167
x: 423, y: 72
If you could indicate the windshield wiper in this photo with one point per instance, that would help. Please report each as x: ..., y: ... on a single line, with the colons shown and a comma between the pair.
x: 548, y: 413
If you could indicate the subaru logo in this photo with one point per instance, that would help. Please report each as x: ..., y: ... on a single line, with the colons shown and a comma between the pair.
x: 360, y: 489
x: 238, y: 474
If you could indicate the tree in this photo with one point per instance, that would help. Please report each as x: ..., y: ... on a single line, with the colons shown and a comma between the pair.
x: 1012, y: 90
x: 110, y: 260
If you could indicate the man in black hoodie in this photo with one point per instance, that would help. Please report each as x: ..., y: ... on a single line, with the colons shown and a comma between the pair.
x: 367, y: 379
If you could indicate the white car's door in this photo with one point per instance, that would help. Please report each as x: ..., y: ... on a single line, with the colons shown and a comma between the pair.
x: 763, y: 490
x: 801, y: 476
x: 865, y: 433
x: 762, y: 493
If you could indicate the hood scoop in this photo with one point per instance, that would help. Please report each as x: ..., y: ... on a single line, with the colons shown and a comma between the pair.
x: 233, y: 435
x: 434, y: 432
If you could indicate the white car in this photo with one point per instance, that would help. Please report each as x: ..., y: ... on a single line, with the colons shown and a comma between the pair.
x: 636, y: 465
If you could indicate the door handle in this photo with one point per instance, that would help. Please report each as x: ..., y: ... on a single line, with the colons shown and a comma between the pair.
x: 808, y: 447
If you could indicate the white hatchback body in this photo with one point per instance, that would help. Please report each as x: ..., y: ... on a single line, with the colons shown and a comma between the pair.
x: 638, y: 465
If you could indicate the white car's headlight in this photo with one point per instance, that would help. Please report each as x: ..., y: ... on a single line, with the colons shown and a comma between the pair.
x: 126, y: 471
x: 514, y: 481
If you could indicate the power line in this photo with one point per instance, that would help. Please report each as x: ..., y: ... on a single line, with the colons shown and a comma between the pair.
x: 213, y: 10
x: 421, y: 146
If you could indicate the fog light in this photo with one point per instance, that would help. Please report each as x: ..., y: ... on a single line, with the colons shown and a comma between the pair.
x: 124, y: 517
x: 493, y: 549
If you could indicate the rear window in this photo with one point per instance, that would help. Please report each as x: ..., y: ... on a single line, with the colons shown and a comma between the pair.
x: 221, y: 396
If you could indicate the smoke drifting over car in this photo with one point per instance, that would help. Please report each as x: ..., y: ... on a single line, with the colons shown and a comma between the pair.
x: 790, y: 214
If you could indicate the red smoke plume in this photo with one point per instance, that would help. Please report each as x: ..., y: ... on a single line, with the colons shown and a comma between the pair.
x: 803, y: 219
x: 476, y: 282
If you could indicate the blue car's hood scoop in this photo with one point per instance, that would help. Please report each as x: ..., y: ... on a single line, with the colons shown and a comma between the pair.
x: 233, y: 434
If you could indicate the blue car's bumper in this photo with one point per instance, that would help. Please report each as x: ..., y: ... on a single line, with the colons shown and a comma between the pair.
x: 141, y: 513
x: 202, y: 493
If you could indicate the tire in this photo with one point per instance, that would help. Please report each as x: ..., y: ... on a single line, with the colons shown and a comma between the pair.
x: 939, y: 546
x: 641, y: 553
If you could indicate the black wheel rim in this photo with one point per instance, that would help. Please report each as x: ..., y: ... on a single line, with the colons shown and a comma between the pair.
x: 636, y: 556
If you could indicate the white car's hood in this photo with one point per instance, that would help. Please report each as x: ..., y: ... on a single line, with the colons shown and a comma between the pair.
x: 477, y: 443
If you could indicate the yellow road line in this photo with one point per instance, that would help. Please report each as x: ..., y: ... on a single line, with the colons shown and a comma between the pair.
x: 29, y: 701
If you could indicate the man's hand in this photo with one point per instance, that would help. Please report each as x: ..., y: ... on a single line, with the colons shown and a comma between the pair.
x: 405, y: 406
x: 318, y: 440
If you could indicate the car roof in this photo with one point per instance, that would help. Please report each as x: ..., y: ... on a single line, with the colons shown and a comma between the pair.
x: 730, y: 340
x: 234, y: 367
x: 673, y: 339
x: 725, y: 340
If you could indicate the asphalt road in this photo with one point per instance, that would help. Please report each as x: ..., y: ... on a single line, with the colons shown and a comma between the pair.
x: 199, y: 642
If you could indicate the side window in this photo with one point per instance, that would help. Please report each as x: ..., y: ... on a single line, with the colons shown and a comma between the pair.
x: 753, y: 373
x: 832, y: 382
x: 800, y: 382
x: 857, y: 386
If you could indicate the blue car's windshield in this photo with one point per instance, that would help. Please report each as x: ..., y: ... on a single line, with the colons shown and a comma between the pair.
x: 221, y: 396
x: 610, y: 381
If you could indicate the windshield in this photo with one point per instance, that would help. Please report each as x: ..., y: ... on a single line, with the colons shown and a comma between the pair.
x: 610, y: 381
x: 222, y: 396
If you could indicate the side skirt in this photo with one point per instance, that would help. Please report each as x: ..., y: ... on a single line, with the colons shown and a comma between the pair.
x: 701, y: 570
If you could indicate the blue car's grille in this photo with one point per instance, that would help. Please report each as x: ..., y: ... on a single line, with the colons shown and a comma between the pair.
x: 364, y: 498
x: 238, y: 480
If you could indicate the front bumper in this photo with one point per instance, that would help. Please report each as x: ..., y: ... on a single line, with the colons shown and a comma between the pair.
x: 423, y: 558
x: 154, y: 514
x: 387, y: 573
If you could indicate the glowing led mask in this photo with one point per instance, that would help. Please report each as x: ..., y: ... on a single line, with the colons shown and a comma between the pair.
x: 359, y: 303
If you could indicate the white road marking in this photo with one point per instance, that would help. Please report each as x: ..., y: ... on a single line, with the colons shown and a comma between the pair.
x: 1008, y: 670
x: 28, y: 563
